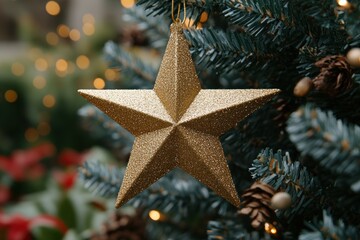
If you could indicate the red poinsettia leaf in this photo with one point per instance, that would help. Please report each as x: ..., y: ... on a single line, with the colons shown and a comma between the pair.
x: 65, y: 179
x: 49, y: 221
x: 70, y: 157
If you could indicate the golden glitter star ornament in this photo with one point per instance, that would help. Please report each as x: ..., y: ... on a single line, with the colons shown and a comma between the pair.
x: 177, y: 124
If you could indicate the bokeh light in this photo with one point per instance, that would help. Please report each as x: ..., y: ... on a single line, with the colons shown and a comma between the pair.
x: 52, y: 38
x: 127, y: 3
x: 111, y: 74
x: 43, y: 128
x: 39, y: 82
x: 31, y: 135
x: 52, y: 8
x: 82, y: 62
x: 99, y: 83
x: 41, y: 64
x: 17, y: 69
x: 75, y: 35
x: 88, y: 29
x: 10, y: 96
x: 61, y: 65
x: 49, y: 101
x: 63, y: 30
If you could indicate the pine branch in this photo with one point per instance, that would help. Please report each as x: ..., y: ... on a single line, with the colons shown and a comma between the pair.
x: 157, y: 31
x: 259, y: 17
x: 230, y: 229
x: 194, y: 8
x: 334, y: 144
x: 177, y: 195
x: 251, y: 136
x: 329, y: 229
x: 280, y: 172
x: 99, y: 179
x: 226, y: 50
x: 143, y: 75
x: 104, y: 128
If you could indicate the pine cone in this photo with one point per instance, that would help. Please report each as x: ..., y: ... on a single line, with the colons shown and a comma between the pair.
x: 335, y: 75
x: 256, y: 204
x: 121, y: 227
x: 284, y: 107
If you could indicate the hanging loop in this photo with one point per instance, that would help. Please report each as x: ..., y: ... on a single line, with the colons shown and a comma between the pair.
x: 177, y: 19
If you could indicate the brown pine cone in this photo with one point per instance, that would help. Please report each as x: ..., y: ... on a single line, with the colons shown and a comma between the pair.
x: 256, y: 204
x: 335, y: 75
x: 121, y: 227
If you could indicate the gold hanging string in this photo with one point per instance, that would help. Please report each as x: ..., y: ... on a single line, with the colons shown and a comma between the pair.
x: 177, y: 19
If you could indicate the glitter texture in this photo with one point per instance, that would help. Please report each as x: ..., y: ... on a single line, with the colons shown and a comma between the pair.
x: 177, y: 124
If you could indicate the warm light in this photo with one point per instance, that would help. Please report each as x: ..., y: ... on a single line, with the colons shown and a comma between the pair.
x: 189, y: 22
x: 31, y: 135
x: 88, y: 18
x: 269, y: 228
x: 99, y: 83
x: 11, y: 96
x: 44, y: 128
x: 49, y: 101
x: 41, y: 64
x: 154, y: 215
x: 111, y: 74
x: 52, y: 8
x: 63, y: 30
x: 204, y: 17
x: 82, y: 62
x: 52, y: 38
x: 127, y: 3
x: 343, y: 3
x: 61, y: 65
x: 17, y: 69
x: 39, y: 82
x: 75, y: 35
x: 88, y: 29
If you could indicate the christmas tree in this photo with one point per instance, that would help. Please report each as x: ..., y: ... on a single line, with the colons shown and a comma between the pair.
x: 294, y: 162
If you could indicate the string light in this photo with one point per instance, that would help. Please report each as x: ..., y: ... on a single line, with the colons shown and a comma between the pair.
x: 269, y: 228
x: 17, y: 69
x: 52, y: 8
x: 343, y: 3
x: 127, y: 3
x: 204, y: 17
x: 49, y: 101
x: 41, y: 64
x: 52, y: 38
x: 39, y: 82
x: 75, y: 35
x: 99, y: 83
x: 154, y: 215
x: 82, y: 62
x: 10, y: 96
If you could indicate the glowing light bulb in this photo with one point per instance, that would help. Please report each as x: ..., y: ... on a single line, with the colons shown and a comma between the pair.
x: 343, y: 3
x: 154, y: 215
